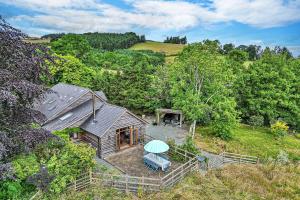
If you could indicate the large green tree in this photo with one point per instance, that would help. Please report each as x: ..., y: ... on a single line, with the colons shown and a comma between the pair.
x: 68, y: 69
x: 270, y: 88
x: 71, y: 44
x: 201, y: 86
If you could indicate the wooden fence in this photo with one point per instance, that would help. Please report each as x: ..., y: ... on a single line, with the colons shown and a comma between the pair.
x: 128, y: 183
x: 238, y: 158
x: 176, y: 175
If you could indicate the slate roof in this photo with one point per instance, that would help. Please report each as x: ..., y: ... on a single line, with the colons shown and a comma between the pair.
x: 71, y: 117
x: 59, y: 97
x: 67, y: 105
x: 101, y: 95
x: 106, y: 116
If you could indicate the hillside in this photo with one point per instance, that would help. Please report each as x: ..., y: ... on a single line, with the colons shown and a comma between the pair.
x: 170, y: 50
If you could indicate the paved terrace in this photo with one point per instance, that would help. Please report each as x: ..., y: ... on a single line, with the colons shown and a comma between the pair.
x: 131, y: 161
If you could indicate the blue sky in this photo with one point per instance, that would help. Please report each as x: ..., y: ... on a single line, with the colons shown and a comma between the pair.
x: 261, y: 22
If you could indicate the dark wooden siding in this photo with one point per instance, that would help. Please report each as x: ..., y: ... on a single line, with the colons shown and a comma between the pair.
x: 108, y: 140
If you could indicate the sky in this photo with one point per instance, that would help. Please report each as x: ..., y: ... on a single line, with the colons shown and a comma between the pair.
x: 260, y: 22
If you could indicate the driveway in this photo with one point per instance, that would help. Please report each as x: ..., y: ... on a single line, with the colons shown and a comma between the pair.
x: 167, y: 132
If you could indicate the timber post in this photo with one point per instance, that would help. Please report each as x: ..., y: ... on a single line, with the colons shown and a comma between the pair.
x: 126, y: 184
x: 90, y: 176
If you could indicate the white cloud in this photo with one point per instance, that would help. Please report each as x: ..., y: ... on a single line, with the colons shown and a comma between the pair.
x: 91, y: 15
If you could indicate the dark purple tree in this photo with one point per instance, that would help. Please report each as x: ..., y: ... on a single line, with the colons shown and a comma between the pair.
x: 22, y: 69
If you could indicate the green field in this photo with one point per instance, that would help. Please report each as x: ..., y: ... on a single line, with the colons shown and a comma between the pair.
x: 246, y: 140
x: 37, y: 40
x: 170, y: 50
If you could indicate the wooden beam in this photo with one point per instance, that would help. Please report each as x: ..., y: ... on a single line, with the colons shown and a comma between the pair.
x: 136, y: 136
x: 118, y: 140
x: 131, y: 136
x: 99, y: 147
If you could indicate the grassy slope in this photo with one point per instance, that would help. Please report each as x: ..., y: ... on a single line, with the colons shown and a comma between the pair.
x: 171, y: 50
x: 246, y: 140
x: 37, y: 41
x: 236, y: 182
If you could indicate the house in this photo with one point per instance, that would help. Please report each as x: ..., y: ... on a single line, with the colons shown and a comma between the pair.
x: 108, y: 128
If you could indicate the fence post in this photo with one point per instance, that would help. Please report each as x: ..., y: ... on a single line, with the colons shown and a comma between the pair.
x: 126, y: 183
x: 75, y: 185
x: 181, y: 175
x: 143, y: 181
x: 223, y: 157
x: 90, y: 175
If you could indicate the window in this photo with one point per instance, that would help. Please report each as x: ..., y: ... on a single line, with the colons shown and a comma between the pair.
x: 66, y: 116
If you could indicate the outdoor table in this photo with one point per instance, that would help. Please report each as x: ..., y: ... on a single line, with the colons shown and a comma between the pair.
x: 161, y: 162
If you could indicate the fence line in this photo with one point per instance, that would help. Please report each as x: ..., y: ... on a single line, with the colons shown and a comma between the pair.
x: 128, y: 183
x: 238, y: 158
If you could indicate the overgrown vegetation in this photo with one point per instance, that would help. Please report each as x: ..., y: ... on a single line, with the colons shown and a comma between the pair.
x: 236, y: 182
x: 248, y: 141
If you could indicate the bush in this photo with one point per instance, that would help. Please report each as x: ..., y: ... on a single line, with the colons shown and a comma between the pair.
x: 256, y: 120
x: 189, y: 145
x: 222, y: 130
x: 279, y: 128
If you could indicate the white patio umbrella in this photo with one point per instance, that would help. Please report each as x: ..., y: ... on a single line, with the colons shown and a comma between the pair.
x: 156, y: 146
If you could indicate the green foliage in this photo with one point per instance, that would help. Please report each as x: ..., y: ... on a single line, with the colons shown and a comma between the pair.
x: 279, y: 129
x: 64, y: 160
x: 128, y: 78
x: 201, y: 86
x: 269, y: 87
x: 256, y: 120
x: 68, y: 69
x: 113, y: 41
x: 65, y: 134
x: 25, y: 165
x: 238, y: 55
x: 188, y: 145
x: 73, y: 160
x: 71, y: 44
x: 247, y: 140
x: 120, y: 59
x: 10, y: 190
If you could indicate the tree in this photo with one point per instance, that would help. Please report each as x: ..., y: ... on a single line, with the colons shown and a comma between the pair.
x: 269, y: 87
x: 68, y: 69
x: 227, y: 48
x: 71, y: 44
x: 238, y: 55
x: 254, y: 51
x: 284, y: 51
x: 22, y: 67
x: 200, y: 86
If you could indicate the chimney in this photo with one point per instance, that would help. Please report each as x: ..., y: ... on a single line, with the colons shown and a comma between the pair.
x: 94, y: 109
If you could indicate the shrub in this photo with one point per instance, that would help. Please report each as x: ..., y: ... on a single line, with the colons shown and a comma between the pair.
x: 25, y: 165
x: 222, y: 130
x: 189, y: 145
x: 256, y: 120
x: 279, y: 128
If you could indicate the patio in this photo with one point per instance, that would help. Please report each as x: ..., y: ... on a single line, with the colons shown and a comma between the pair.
x: 131, y: 162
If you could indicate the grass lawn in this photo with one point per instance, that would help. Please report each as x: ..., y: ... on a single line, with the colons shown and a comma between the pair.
x: 234, y: 182
x: 244, y: 182
x: 170, y: 50
x: 246, y: 140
